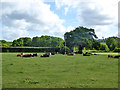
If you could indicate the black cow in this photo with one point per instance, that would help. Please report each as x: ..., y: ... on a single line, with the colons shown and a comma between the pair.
x: 45, y: 55
x: 117, y: 56
x: 86, y: 54
x: 35, y: 55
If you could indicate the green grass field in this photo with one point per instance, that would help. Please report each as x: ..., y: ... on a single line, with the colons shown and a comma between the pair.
x: 59, y: 71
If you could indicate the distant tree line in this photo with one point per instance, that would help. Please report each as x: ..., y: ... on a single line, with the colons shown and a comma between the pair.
x: 85, y: 38
x: 43, y: 41
x: 76, y: 40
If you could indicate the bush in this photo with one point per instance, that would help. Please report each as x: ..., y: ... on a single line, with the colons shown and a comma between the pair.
x: 117, y: 49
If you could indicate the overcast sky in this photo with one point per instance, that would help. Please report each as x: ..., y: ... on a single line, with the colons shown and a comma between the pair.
x: 29, y: 18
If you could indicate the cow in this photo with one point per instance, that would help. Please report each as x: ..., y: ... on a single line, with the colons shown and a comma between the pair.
x: 35, y: 55
x: 110, y: 56
x: 71, y: 54
x: 117, y: 56
x: 53, y: 53
x: 49, y: 53
x: 45, y: 55
x: 85, y: 54
x: 27, y: 55
x: 20, y: 55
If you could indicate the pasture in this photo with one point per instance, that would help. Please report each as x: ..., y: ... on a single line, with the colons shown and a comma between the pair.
x: 59, y: 71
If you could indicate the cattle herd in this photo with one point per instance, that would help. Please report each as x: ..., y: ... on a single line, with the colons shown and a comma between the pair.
x: 53, y: 53
x: 35, y: 55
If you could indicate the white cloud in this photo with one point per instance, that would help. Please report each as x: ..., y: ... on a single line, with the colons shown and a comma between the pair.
x: 12, y: 34
x: 94, y: 13
x: 27, y: 17
x: 70, y: 28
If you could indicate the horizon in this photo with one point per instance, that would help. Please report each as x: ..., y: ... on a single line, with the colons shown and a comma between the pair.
x: 32, y: 18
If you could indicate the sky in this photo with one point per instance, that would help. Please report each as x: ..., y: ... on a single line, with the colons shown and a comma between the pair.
x: 30, y: 18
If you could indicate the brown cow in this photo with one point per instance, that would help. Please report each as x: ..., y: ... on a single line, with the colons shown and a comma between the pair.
x: 71, y: 54
x: 27, y: 55
x: 110, y: 56
x: 86, y: 54
x: 20, y: 55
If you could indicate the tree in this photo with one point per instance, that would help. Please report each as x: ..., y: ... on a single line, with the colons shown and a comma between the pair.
x: 81, y: 37
x: 118, y: 42
x: 20, y: 42
x: 3, y: 41
x: 15, y: 43
x: 47, y: 41
x: 96, y: 45
x: 26, y: 41
x: 112, y: 43
x: 35, y: 41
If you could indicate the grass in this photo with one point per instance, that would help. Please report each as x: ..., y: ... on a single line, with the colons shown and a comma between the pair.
x: 59, y: 71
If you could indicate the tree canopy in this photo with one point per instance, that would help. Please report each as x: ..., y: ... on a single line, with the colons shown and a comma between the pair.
x: 112, y: 43
x: 81, y: 37
x: 43, y: 41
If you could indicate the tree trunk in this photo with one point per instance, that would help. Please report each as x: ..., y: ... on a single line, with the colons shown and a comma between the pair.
x: 80, y: 49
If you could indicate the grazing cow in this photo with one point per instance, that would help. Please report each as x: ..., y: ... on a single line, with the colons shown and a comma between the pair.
x: 35, y: 55
x: 27, y: 55
x: 53, y: 53
x: 110, y: 56
x: 45, y: 55
x: 49, y: 53
x: 117, y: 56
x: 71, y: 54
x: 20, y: 55
x: 86, y: 54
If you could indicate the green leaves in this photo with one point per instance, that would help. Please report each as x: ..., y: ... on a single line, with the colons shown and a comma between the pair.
x: 112, y: 43
x: 81, y: 36
x: 47, y: 41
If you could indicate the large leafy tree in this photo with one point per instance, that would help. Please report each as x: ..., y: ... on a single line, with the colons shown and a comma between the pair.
x: 81, y: 37
x: 112, y: 43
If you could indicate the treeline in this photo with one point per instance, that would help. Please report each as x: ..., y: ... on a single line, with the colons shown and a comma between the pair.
x: 85, y: 38
x: 76, y: 40
x: 109, y: 44
x: 43, y: 41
